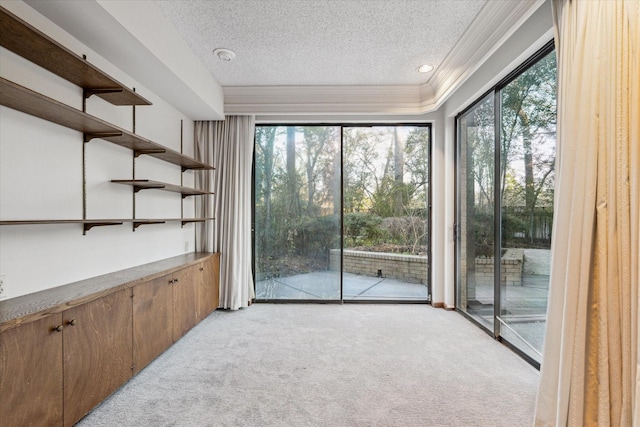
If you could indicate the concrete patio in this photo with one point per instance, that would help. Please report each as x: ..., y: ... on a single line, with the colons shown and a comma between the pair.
x: 524, y: 308
x: 325, y: 285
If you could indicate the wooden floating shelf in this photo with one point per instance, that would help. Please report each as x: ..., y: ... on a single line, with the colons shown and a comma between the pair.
x: 30, y: 43
x: 22, y: 99
x: 88, y: 224
x: 146, y: 184
x: 94, y: 222
x: 35, y: 46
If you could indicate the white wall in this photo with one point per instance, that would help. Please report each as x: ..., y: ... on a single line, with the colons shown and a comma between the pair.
x: 41, y: 178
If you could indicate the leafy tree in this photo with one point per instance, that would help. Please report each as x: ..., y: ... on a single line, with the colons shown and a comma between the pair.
x: 319, y: 154
x: 359, y: 167
x: 480, y: 133
x: 528, y: 119
x: 399, y: 195
x: 416, y: 154
x: 264, y: 158
x: 298, y: 195
x: 417, y: 165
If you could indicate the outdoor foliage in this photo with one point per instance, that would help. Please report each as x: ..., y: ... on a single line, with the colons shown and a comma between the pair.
x: 362, y: 229
x: 376, y: 181
x: 526, y: 159
x: 298, y: 199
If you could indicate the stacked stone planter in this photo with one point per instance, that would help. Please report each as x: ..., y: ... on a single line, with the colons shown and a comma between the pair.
x: 406, y: 268
x: 510, y: 268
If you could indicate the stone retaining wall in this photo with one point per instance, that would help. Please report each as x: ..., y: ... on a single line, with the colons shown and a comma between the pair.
x: 408, y: 268
x: 510, y: 268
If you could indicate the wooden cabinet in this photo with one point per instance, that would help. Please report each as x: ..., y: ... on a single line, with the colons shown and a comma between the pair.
x: 152, y: 320
x: 185, y: 301
x: 31, y: 373
x: 98, y: 347
x: 64, y: 350
x: 166, y: 308
x: 208, y: 275
x: 38, y: 379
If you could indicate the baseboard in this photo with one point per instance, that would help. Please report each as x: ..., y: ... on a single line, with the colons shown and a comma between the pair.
x: 443, y: 305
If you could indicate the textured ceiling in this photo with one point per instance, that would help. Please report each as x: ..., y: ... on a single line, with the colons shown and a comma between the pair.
x: 321, y: 42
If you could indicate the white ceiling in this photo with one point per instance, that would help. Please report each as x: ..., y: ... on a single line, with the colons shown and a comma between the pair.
x: 294, y: 57
x: 321, y: 42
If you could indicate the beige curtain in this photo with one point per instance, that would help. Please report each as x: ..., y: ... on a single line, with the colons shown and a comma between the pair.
x: 590, y: 369
x: 228, y: 146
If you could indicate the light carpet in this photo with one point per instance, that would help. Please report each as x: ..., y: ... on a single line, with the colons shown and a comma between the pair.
x: 329, y: 365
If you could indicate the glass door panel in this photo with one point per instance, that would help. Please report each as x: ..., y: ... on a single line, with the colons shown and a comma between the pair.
x: 476, y: 245
x: 386, y: 213
x: 297, y: 212
x: 528, y: 151
x: 505, y: 202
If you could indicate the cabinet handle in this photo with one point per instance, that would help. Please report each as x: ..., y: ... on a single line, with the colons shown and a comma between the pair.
x: 170, y: 281
x: 58, y: 328
x: 72, y: 322
x: 176, y: 281
x: 201, y: 268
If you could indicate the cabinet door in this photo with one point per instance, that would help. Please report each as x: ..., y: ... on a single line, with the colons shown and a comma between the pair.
x: 152, y: 320
x: 31, y: 374
x: 185, y: 301
x: 209, y: 276
x: 98, y: 347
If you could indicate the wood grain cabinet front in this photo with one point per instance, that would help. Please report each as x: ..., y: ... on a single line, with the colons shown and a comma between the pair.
x: 31, y: 373
x: 57, y: 366
x: 152, y: 320
x: 208, y: 274
x: 185, y: 301
x: 98, y: 349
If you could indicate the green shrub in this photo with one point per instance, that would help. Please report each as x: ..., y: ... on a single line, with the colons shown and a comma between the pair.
x: 362, y: 229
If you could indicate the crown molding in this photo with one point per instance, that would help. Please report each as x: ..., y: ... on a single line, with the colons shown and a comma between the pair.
x: 321, y: 99
x: 496, y: 22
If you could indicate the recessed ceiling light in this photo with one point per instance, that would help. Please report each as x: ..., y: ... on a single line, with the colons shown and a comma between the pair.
x: 225, y: 55
x: 425, y: 68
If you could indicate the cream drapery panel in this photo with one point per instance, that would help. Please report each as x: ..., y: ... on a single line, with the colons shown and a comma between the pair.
x: 228, y: 146
x: 589, y: 373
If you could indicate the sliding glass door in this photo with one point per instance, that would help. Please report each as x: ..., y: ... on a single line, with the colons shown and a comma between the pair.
x: 506, y: 157
x: 528, y: 152
x: 386, y: 216
x: 476, y: 190
x: 297, y: 212
x: 342, y: 213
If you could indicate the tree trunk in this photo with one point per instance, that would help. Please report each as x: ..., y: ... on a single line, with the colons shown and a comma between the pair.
x: 293, y: 201
x: 529, y: 189
x: 398, y: 173
x: 337, y: 184
x: 311, y: 184
x: 267, y: 185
